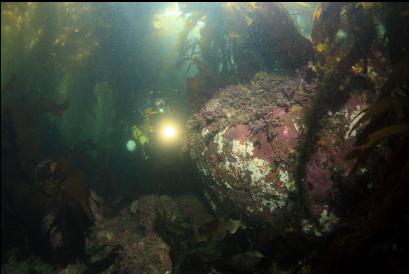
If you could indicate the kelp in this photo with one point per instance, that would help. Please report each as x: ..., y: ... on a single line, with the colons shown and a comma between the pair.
x: 104, y: 115
x: 55, y: 223
x: 380, y: 119
x: 25, y: 120
x: 275, y: 36
x: 46, y: 105
x: 236, y: 41
x: 383, y: 142
x: 380, y: 135
x: 75, y: 185
x: 61, y: 199
x: 367, y: 246
x: 376, y: 109
x: 342, y: 34
x: 343, y: 37
x: 326, y: 20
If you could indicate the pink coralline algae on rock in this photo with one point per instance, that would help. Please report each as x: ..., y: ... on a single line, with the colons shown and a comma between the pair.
x: 328, y: 159
x: 248, y: 153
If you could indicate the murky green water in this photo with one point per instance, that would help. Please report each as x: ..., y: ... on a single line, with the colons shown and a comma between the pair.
x: 204, y: 137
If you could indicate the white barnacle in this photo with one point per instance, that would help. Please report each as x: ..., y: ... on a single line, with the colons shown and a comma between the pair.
x: 202, y: 167
x: 212, y: 204
x: 219, y: 140
x: 271, y: 206
x: 287, y: 182
x: 296, y: 126
x: 259, y: 169
x: 204, y: 132
x: 327, y: 220
x: 306, y: 226
x: 242, y: 150
x: 226, y: 165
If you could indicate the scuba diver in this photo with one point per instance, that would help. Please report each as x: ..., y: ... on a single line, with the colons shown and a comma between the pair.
x: 154, y: 112
x: 159, y: 138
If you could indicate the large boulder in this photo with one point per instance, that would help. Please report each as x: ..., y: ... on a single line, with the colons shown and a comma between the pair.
x: 246, y: 143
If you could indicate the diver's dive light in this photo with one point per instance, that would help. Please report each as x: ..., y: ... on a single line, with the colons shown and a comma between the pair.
x: 168, y: 131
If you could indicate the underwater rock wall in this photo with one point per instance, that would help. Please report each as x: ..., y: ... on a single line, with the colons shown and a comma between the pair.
x: 245, y: 142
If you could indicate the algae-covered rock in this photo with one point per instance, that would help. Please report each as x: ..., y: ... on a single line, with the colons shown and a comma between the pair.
x: 149, y: 209
x: 246, y: 142
x: 217, y: 229
x: 129, y: 242
x: 148, y: 255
